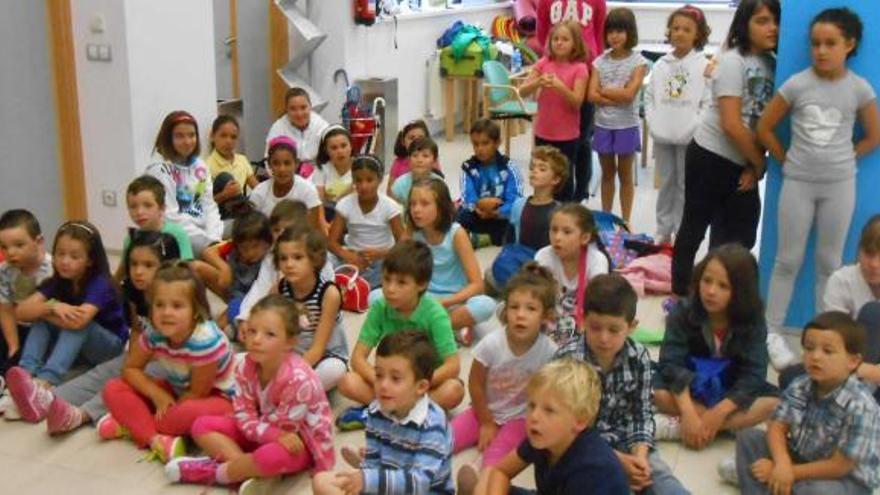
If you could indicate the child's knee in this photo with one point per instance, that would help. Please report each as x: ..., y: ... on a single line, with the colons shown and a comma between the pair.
x: 352, y: 385
x: 448, y: 394
x: 323, y: 482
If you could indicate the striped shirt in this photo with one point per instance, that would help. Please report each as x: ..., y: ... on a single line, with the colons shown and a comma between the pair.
x: 847, y: 419
x: 206, y: 345
x: 413, y: 455
x: 616, y: 73
x: 336, y: 345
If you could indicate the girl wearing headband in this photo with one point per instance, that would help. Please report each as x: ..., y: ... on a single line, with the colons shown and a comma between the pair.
x: 285, y: 183
x: 333, y: 175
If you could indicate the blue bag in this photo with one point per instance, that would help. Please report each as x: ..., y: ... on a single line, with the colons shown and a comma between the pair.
x: 509, y: 261
x: 711, y: 380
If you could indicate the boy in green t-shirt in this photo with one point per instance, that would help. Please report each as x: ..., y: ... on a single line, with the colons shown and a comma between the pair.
x: 405, y: 276
x: 145, y: 200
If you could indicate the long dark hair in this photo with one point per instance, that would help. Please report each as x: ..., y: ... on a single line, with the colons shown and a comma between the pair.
x: 745, y: 305
x: 738, y: 36
x: 88, y: 235
x: 164, y: 246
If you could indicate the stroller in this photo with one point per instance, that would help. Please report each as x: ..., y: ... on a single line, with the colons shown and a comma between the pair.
x: 361, y: 119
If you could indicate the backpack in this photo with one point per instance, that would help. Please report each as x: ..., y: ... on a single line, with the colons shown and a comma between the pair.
x: 711, y: 379
x: 509, y: 261
x: 355, y: 289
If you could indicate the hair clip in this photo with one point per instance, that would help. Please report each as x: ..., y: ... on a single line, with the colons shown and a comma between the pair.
x: 75, y: 223
x: 375, y: 161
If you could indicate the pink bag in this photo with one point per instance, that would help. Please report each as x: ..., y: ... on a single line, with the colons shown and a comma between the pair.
x: 355, y: 289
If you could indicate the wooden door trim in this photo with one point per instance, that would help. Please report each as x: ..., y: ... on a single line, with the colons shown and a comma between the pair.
x: 60, y: 25
x: 279, y: 56
x: 233, y: 33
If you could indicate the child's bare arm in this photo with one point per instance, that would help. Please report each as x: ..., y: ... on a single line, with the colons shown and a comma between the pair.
x: 496, y: 479
x: 773, y: 114
x: 777, y: 432
x: 133, y: 373
x: 835, y: 467
x: 450, y: 369
x: 461, y: 244
x: 594, y: 94
x: 201, y: 381
x: 531, y: 84
x: 330, y: 306
x: 628, y: 93
x: 870, y: 120
x: 360, y: 365
x: 10, y: 329
x: 223, y: 276
x: 477, y: 388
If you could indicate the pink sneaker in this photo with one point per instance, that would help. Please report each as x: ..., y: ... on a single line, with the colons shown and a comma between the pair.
x: 31, y: 400
x: 110, y: 429
x: 197, y: 470
x: 63, y: 417
x: 167, y: 447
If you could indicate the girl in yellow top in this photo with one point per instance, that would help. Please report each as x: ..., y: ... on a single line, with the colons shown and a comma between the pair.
x: 230, y: 171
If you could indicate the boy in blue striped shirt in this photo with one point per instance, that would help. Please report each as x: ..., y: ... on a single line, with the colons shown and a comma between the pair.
x: 409, y: 442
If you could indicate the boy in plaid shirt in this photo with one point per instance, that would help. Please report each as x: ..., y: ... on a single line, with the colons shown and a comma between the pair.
x: 409, y: 442
x: 626, y: 410
x: 825, y: 434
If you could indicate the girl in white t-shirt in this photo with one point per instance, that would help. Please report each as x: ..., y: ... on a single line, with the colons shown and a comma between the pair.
x: 284, y: 183
x: 574, y: 256
x: 503, y: 362
x: 332, y: 178
x: 371, y: 219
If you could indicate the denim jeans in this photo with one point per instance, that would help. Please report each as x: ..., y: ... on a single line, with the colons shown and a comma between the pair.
x: 93, y: 342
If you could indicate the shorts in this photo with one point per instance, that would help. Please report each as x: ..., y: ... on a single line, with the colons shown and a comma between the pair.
x: 617, y: 141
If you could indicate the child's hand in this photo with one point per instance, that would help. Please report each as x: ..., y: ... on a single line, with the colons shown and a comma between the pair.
x: 352, y: 483
x: 67, y: 312
x: 291, y: 442
x: 355, y: 258
x: 781, y: 479
x: 638, y: 472
x: 233, y: 188
x: 712, y: 422
x: 487, y: 434
x: 747, y: 180
x: 163, y: 402
x: 761, y: 469
x: 692, y: 431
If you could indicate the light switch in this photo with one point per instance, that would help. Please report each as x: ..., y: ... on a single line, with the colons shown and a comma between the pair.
x: 104, y: 53
x: 92, y: 52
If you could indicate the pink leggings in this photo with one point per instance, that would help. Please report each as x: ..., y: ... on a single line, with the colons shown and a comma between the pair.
x: 136, y: 412
x: 272, y: 459
x: 466, y: 433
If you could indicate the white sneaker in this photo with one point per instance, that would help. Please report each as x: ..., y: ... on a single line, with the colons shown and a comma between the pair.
x: 781, y: 356
x: 667, y: 427
x: 8, y: 409
x: 727, y: 471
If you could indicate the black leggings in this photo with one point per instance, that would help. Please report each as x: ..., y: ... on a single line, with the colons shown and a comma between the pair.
x: 711, y: 197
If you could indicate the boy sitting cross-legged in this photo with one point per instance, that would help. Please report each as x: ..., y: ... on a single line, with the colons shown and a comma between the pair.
x: 825, y: 434
x: 406, y: 273
x: 409, y: 442
x: 626, y: 410
x: 569, y: 455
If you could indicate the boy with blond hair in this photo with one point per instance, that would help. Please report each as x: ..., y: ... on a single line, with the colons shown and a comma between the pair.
x: 568, y: 454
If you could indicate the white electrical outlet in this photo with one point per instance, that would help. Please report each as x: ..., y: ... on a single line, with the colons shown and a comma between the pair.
x: 108, y: 197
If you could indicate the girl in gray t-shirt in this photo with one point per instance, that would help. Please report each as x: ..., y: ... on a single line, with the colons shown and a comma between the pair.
x: 819, y: 167
x: 614, y: 84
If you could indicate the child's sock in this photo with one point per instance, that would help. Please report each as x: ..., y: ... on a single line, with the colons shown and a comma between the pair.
x: 222, y: 475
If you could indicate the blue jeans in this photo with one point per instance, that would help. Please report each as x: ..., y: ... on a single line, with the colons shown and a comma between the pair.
x: 94, y: 343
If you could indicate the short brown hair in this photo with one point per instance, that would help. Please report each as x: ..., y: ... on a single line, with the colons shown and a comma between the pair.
x: 416, y: 347
x: 695, y: 14
x: 164, y: 144
x: 574, y: 382
x: 21, y: 218
x: 422, y: 144
x: 288, y: 310
x: 147, y: 183
x: 443, y: 200
x: 854, y: 335
x: 623, y: 19
x: 314, y: 242
x: 557, y: 160
x: 869, y: 241
x: 181, y: 271
x: 611, y: 295
x: 293, y: 93
x: 289, y: 210
x: 487, y: 127
x: 252, y: 226
x: 410, y: 257
x: 579, y: 50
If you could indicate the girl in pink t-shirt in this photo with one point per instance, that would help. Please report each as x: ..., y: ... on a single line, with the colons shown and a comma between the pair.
x: 560, y: 78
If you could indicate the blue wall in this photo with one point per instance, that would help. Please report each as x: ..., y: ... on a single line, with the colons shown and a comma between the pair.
x: 794, y: 56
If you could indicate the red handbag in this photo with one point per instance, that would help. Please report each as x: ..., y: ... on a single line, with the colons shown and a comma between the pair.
x: 355, y: 289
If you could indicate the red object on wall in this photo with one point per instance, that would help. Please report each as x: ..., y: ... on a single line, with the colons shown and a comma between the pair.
x: 364, y: 12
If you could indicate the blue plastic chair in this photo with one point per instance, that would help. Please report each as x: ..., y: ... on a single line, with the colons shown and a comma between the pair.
x: 501, y: 99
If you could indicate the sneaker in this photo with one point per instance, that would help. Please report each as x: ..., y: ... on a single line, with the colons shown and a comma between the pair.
x: 781, y: 356
x: 727, y: 471
x: 667, y: 427
x: 167, y: 447
x: 353, y: 418
x: 196, y: 470
x: 8, y: 409
x: 110, y: 429
x: 31, y: 399
x: 63, y: 417
x: 466, y: 480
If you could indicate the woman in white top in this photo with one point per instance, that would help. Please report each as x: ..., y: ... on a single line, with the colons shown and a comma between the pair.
x: 301, y: 124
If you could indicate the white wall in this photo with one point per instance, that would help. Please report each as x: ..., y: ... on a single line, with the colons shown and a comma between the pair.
x: 163, y: 60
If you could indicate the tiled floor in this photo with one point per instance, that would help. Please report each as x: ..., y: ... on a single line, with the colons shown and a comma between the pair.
x: 34, y: 463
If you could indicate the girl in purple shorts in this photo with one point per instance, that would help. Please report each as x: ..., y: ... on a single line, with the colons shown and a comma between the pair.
x: 614, y: 84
